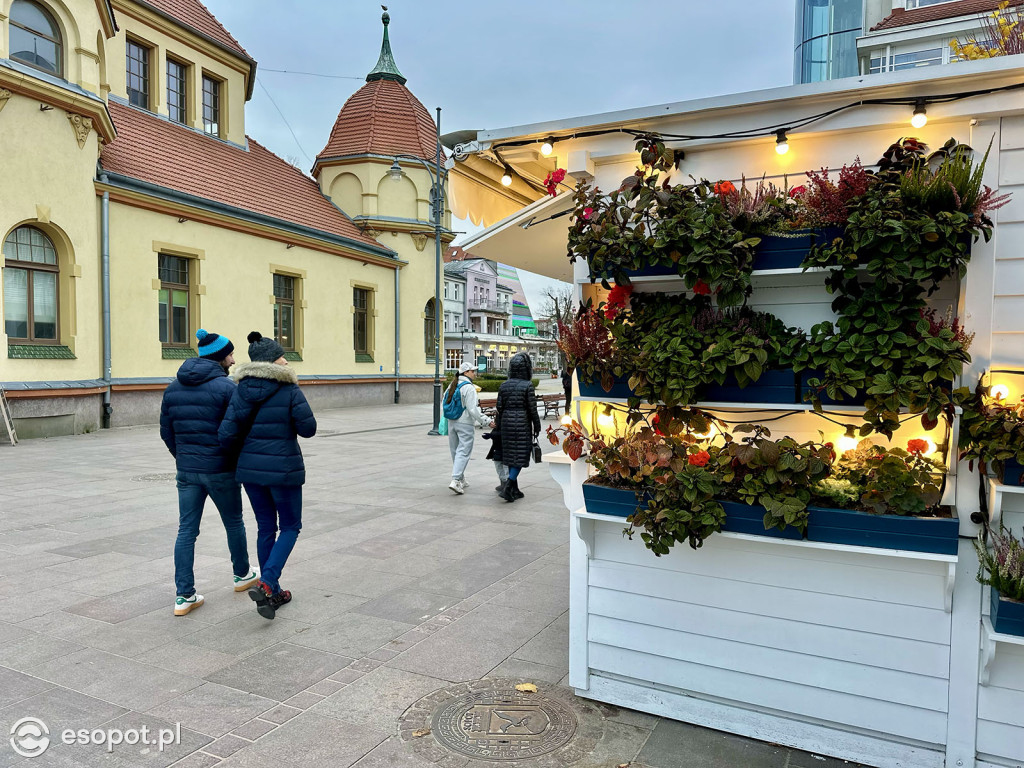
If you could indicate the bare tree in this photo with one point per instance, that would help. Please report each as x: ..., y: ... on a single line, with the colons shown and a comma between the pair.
x: 558, y: 307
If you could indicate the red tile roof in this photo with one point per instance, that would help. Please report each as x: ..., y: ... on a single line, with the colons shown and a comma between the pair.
x: 904, y: 18
x: 192, y: 13
x: 382, y: 118
x: 168, y: 155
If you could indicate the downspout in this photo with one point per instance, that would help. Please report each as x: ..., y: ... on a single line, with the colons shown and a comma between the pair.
x: 398, y: 327
x: 105, y: 257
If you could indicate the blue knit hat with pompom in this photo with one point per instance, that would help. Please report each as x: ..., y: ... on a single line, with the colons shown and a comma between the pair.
x: 214, y: 346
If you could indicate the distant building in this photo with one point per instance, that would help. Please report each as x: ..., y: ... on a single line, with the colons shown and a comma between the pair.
x: 847, y: 38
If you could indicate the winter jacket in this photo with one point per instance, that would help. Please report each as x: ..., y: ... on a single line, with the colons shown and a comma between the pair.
x: 190, y: 414
x: 269, y: 454
x: 471, y: 404
x: 517, y: 421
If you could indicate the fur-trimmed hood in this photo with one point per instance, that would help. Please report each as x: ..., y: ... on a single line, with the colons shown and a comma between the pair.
x: 257, y: 382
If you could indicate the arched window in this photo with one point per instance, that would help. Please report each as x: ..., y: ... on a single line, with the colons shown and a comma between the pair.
x: 30, y: 287
x: 429, y: 328
x: 35, y: 37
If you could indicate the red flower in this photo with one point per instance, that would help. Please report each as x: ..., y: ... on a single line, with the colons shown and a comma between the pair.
x: 616, y: 300
x: 655, y: 421
x: 917, y: 446
x: 698, y: 459
x: 798, y: 191
x: 725, y: 188
x: 588, y: 212
x: 701, y: 288
x: 553, y: 179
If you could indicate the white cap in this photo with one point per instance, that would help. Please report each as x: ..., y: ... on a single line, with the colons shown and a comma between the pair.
x: 466, y: 367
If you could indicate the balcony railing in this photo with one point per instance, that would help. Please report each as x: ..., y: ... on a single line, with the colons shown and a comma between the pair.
x: 489, y: 305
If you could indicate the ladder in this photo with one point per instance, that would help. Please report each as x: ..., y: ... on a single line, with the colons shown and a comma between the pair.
x: 8, y: 421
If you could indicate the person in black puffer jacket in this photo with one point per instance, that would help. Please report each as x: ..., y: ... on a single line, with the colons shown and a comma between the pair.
x: 266, y: 415
x: 517, y: 422
x: 190, y: 414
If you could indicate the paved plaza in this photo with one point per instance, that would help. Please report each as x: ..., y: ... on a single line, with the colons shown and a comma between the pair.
x: 402, y: 590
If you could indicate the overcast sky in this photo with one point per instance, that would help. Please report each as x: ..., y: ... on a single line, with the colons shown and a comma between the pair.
x: 498, y: 63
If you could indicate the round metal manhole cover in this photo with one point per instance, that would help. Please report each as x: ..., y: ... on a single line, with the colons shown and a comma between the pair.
x: 160, y: 477
x: 503, y: 724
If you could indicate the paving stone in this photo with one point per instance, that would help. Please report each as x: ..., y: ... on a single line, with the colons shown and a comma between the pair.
x: 304, y: 700
x: 27, y: 606
x: 409, y: 606
x: 121, y: 606
x: 377, y: 700
x: 280, y: 671
x: 680, y: 745
x: 352, y: 635
x: 60, y: 709
x: 143, y: 755
x: 245, y: 634
x: 213, y: 709
x: 326, y: 687
x: 34, y: 650
x: 187, y: 659
x: 550, y: 646
x: 318, y: 740
x: 15, y: 686
x: 254, y: 729
x: 198, y: 760
x: 528, y: 671
x: 346, y: 676
x: 394, y: 753
x: 281, y: 714
x: 226, y: 746
x: 798, y: 759
x: 12, y: 633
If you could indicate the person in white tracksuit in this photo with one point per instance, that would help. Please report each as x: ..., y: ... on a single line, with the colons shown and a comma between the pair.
x: 461, y: 430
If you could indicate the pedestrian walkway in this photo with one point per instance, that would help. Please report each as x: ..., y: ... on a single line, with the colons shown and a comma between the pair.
x: 403, y: 593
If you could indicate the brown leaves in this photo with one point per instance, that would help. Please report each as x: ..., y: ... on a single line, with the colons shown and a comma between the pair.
x: 526, y: 688
x: 419, y: 734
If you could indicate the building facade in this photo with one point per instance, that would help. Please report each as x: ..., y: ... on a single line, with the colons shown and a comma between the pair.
x: 847, y: 38
x: 136, y: 210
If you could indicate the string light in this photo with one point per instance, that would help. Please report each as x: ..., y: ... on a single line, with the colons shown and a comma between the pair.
x: 546, y: 148
x: 506, y: 178
x: 781, y: 142
x: 999, y: 391
x: 931, y: 445
x: 848, y: 442
x: 920, y: 118
x: 566, y: 419
x: 606, y: 419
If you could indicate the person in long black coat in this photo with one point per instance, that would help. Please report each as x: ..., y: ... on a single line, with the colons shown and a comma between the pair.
x: 517, y: 422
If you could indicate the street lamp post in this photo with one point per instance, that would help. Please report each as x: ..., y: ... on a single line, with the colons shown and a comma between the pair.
x: 463, y: 332
x: 437, y: 179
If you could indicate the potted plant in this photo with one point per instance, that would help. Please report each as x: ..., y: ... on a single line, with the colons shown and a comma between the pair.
x: 992, y: 433
x: 589, y: 349
x: 1002, y: 569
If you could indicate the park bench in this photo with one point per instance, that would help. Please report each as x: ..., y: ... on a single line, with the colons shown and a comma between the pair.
x: 553, y: 405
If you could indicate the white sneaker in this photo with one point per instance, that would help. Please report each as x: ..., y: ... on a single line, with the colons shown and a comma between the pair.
x: 465, y: 483
x: 185, y: 605
x: 457, y: 486
x: 242, y: 583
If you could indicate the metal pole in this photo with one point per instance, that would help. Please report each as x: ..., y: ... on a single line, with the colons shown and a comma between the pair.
x: 438, y: 210
x: 105, y: 260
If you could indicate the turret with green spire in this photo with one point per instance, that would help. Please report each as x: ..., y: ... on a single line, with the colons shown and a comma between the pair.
x: 386, y: 68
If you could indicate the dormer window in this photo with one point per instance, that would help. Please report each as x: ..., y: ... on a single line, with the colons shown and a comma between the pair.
x: 35, y: 38
x: 211, y: 105
x: 177, y: 91
x: 137, y: 71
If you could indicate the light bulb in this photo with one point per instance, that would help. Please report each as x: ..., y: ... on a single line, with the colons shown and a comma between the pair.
x: 931, y: 445
x: 506, y: 178
x: 999, y: 391
x: 546, y: 148
x: 781, y: 142
x: 395, y: 171
x: 566, y: 420
x: 605, y: 420
x: 706, y: 435
x: 846, y: 443
x: 920, y: 118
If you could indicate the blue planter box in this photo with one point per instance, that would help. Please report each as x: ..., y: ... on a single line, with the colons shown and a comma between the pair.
x: 773, y: 387
x: 777, y: 252
x: 1007, y: 615
x: 603, y: 500
x: 938, y: 535
x: 1013, y: 472
x: 645, y: 272
x: 594, y: 389
x: 749, y: 518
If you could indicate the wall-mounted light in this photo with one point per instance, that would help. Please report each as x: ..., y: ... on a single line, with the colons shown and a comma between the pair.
x: 848, y: 441
x: 999, y: 391
x: 920, y: 118
x: 781, y: 142
x: 547, y: 147
x: 506, y: 178
x: 395, y: 171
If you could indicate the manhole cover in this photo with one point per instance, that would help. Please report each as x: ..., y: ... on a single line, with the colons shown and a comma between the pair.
x: 503, y: 724
x: 160, y: 477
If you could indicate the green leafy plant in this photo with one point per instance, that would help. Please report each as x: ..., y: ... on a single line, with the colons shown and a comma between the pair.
x: 991, y: 431
x: 1003, y: 567
x: 836, y: 492
x: 893, y: 481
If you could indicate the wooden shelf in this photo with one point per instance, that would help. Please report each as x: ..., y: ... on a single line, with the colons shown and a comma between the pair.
x: 996, y: 491
x: 989, y: 640
x: 709, y: 406
x: 759, y: 278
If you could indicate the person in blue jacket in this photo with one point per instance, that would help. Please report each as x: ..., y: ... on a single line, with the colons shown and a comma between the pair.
x: 190, y: 415
x: 264, y: 418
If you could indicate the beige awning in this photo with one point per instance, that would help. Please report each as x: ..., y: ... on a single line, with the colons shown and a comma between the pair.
x: 530, y: 239
x: 475, y: 192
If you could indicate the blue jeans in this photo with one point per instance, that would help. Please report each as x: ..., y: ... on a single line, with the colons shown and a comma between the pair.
x: 193, y: 488
x: 274, y: 504
x: 513, y: 473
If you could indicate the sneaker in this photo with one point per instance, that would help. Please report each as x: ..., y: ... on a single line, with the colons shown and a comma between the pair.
x: 500, y: 489
x: 465, y: 483
x: 185, y: 605
x: 280, y: 598
x: 261, y: 594
x: 242, y: 583
x: 457, y: 487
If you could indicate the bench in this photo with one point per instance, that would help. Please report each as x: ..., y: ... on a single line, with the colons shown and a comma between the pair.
x: 553, y: 405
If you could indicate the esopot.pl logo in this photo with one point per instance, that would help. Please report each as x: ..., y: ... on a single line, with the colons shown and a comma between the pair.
x: 30, y: 737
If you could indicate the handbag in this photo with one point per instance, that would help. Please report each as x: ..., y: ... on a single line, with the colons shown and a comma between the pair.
x: 536, y: 452
x: 442, y: 425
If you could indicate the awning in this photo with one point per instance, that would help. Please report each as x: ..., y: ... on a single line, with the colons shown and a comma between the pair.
x: 475, y: 192
x: 531, y: 239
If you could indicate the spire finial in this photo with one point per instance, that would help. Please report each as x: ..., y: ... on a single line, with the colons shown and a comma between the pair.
x: 386, y: 68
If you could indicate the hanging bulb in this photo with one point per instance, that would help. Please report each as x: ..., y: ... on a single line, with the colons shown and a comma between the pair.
x: 708, y: 434
x: 920, y: 118
x: 931, y: 445
x: 506, y: 178
x: 999, y: 392
x: 546, y: 148
x: 606, y: 419
x: 781, y: 142
x: 848, y: 441
x: 566, y: 419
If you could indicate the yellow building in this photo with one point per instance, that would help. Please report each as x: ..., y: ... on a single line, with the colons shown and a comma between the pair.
x: 122, y: 133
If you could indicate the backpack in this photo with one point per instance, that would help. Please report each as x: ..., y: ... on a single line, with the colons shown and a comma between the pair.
x: 453, y: 408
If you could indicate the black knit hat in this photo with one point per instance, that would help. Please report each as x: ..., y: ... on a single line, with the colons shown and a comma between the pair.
x: 262, y: 350
x: 213, y: 346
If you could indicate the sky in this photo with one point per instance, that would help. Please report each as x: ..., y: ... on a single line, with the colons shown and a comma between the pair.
x: 496, y: 63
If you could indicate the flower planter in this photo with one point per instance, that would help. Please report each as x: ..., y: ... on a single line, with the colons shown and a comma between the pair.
x: 655, y: 271
x: 605, y: 500
x: 749, y: 518
x: 1013, y: 472
x: 1007, y: 615
x: 938, y: 535
x: 779, y: 252
x: 777, y: 386
x: 594, y: 389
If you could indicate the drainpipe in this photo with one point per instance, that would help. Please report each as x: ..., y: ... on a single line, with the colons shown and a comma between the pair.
x: 398, y: 327
x: 105, y: 256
